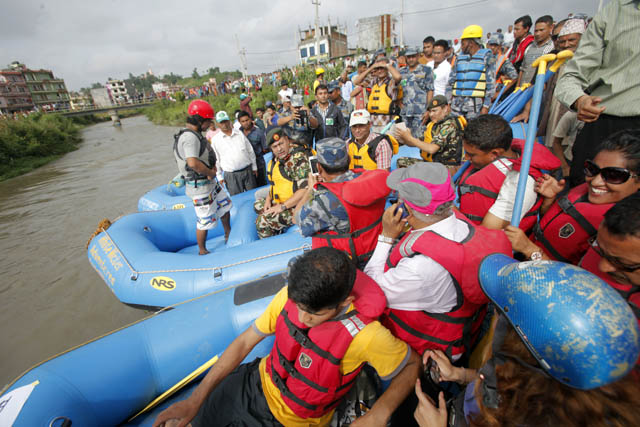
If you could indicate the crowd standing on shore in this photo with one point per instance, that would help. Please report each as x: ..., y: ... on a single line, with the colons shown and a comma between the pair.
x: 398, y: 289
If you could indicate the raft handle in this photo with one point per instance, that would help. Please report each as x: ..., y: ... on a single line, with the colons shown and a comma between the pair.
x: 146, y: 229
x: 217, y: 273
x: 134, y: 276
x: 66, y: 422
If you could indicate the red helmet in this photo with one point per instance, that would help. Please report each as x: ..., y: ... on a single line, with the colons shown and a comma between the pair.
x: 201, y: 108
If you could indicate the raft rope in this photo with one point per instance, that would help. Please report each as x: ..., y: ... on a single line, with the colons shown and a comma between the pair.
x: 102, y: 226
x: 135, y: 273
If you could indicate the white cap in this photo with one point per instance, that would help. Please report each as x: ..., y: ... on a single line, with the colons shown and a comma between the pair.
x: 359, y: 117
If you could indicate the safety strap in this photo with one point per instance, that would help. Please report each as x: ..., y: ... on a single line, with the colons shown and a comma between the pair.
x: 570, y: 209
x: 469, y: 189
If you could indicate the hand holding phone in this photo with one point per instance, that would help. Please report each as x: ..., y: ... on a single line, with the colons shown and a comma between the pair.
x: 313, y: 164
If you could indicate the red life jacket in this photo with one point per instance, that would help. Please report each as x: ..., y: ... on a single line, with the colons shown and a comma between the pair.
x: 517, y: 56
x: 478, y: 188
x: 563, y: 232
x: 364, y: 199
x: 631, y: 293
x: 453, y: 332
x: 304, y: 363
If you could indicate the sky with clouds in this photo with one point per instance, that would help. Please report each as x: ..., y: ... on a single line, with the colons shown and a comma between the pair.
x: 88, y: 41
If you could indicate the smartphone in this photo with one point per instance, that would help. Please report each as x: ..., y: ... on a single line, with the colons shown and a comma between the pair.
x: 313, y: 163
x: 402, y: 206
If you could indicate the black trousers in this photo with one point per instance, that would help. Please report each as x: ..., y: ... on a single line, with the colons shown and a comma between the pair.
x: 238, y: 401
x: 590, y: 137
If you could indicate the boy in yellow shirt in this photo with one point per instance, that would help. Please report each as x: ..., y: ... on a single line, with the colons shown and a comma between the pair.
x: 325, y: 330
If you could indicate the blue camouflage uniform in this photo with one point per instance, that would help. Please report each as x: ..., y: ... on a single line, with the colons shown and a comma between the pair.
x: 324, y: 211
x: 470, y: 106
x: 415, y: 85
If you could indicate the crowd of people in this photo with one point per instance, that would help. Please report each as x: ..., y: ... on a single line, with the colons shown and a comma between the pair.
x: 400, y: 288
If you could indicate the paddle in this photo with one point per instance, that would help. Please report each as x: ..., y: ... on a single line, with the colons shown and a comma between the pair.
x: 177, y: 387
x: 541, y: 64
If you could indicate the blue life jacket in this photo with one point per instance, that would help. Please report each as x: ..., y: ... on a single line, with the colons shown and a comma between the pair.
x: 470, y: 75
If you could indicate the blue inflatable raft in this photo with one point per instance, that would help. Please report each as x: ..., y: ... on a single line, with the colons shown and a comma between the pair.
x: 150, y: 259
x: 107, y: 381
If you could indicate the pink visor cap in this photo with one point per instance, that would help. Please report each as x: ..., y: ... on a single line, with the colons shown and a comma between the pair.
x: 423, y: 186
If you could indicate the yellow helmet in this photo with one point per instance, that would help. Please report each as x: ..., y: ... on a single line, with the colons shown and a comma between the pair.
x: 472, y: 32
x: 319, y: 71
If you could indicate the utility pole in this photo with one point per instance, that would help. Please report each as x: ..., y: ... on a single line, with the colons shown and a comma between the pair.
x: 317, y: 47
x: 242, y: 53
x: 401, y: 23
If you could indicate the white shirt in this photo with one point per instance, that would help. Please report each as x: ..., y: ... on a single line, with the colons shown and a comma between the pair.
x: 345, y: 90
x: 509, y: 38
x: 288, y: 92
x: 233, y: 152
x: 503, y: 206
x: 441, y: 73
x: 418, y: 282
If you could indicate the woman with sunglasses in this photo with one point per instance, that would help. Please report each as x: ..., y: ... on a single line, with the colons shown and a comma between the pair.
x: 569, y: 220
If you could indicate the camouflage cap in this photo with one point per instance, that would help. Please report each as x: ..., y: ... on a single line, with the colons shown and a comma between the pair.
x: 332, y: 152
x: 494, y: 40
x: 411, y: 51
x: 437, y: 101
x: 274, y: 135
x: 333, y: 85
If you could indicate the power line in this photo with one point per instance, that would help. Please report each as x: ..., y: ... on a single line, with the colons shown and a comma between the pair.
x: 417, y: 12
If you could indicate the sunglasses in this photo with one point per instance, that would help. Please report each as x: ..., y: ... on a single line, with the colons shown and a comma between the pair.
x: 615, y: 262
x: 611, y: 175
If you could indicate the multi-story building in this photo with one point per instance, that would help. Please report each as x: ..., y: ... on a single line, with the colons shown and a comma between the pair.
x: 14, y: 94
x: 332, y: 43
x: 80, y: 101
x: 377, y: 32
x: 118, y: 91
x: 48, y: 92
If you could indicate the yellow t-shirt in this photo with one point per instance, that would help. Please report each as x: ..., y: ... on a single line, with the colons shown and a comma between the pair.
x: 374, y: 344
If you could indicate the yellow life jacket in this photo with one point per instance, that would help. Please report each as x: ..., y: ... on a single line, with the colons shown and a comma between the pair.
x: 461, y: 122
x: 282, y: 186
x: 379, y: 100
x: 365, y: 157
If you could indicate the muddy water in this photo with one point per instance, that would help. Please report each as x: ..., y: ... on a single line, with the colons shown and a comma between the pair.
x: 50, y: 297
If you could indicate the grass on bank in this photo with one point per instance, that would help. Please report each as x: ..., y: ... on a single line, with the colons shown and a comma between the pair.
x: 33, y: 141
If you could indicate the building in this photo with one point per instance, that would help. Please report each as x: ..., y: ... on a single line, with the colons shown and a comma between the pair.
x: 332, y: 43
x: 118, y: 91
x: 80, y: 101
x: 101, y: 97
x: 14, y: 93
x: 48, y: 92
x: 160, y: 89
x: 377, y: 32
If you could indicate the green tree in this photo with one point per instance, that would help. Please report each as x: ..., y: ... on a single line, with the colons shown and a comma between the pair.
x: 195, y: 74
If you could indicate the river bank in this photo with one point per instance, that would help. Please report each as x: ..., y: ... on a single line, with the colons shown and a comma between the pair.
x: 31, y: 142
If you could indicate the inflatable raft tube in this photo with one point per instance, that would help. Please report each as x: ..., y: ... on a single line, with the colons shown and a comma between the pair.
x: 108, y: 380
x: 150, y: 259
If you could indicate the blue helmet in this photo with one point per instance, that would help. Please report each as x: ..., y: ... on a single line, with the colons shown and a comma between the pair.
x: 578, y: 328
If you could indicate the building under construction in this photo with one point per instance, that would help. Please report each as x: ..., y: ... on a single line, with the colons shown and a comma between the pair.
x: 331, y: 43
x: 377, y: 32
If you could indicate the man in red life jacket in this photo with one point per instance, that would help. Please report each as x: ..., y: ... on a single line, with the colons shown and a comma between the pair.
x: 614, y: 255
x: 325, y: 331
x: 342, y: 208
x: 430, y: 277
x: 488, y: 188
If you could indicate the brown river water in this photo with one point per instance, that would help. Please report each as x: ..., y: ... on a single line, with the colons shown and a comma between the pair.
x: 50, y: 297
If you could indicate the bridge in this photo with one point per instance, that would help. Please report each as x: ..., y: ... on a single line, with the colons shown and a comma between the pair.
x: 111, y: 109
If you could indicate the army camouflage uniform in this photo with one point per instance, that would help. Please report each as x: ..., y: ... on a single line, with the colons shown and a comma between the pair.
x: 297, y: 167
x: 324, y: 212
x: 297, y: 133
x: 448, y: 136
x: 415, y: 85
x: 470, y: 106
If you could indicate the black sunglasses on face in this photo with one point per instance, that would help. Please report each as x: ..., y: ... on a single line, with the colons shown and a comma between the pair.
x: 611, y: 175
x: 612, y: 260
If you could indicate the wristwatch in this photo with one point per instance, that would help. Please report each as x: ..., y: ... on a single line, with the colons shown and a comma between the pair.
x: 536, y: 256
x: 385, y: 239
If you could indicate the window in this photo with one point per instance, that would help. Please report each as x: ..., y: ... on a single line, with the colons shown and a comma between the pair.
x: 312, y: 51
x: 303, y: 52
x: 323, y: 48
